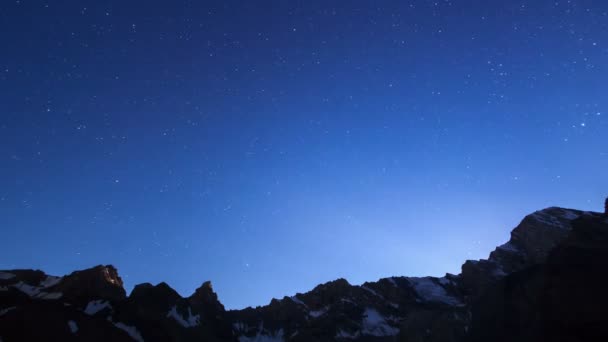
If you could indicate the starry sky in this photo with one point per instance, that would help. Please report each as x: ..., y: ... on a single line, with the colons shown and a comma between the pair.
x: 270, y: 146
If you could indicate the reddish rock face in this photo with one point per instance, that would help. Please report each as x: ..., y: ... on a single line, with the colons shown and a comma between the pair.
x: 97, y: 282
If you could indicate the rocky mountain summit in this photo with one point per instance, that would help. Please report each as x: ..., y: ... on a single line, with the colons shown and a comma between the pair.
x: 546, y: 283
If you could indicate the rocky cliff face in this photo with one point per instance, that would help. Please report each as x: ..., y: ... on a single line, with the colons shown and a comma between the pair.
x: 545, y: 283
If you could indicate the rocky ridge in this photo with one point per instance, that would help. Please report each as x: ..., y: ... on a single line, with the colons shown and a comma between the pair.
x: 544, y: 250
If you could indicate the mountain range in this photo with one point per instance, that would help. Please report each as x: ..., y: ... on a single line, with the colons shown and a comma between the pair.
x: 547, y: 283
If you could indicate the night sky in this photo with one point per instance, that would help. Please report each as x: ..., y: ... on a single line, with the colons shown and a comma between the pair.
x: 270, y: 146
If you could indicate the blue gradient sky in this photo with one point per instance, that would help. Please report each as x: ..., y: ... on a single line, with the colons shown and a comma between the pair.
x: 271, y: 146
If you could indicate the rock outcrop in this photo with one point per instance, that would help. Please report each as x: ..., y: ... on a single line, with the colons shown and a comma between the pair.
x: 545, y: 283
x: 91, y: 305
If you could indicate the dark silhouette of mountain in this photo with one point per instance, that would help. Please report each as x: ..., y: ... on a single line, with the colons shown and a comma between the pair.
x: 547, y: 283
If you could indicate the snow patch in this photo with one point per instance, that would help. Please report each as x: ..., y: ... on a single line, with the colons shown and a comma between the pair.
x: 392, y: 281
x: 50, y: 281
x: 345, y: 334
x: 240, y: 327
x: 27, y: 289
x: 73, y: 327
x: 569, y: 215
x: 132, y: 331
x: 35, y: 292
x: 6, y: 275
x: 51, y: 295
x: 6, y: 310
x: 95, y: 306
x: 347, y: 300
x: 371, y: 291
x: 318, y: 313
x: 260, y: 337
x: 297, y: 300
x: 188, y: 322
x: 552, y: 217
x: 430, y: 291
x: 375, y: 324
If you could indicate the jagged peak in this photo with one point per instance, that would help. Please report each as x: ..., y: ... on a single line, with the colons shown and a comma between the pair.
x: 204, y: 291
x: 207, y: 286
x: 338, y: 283
x: 374, y: 308
x: 530, y: 243
x: 161, y: 289
x: 102, y: 281
x: 538, y: 232
x: 31, y: 277
x: 205, y: 297
x: 106, y: 273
